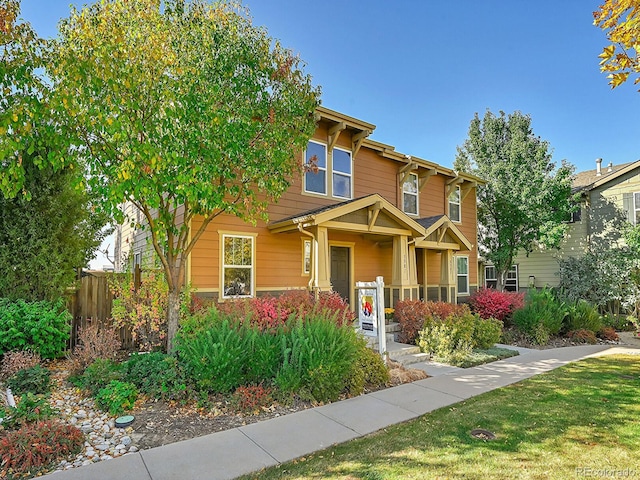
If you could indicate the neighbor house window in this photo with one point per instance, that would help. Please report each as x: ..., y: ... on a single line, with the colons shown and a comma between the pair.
x: 137, y: 259
x: 636, y: 209
x: 315, y: 178
x: 341, y: 166
x: 454, y: 205
x: 410, y: 194
x: 237, y: 266
x: 510, y: 282
x: 462, y: 271
x: 490, y: 277
x: 306, y: 257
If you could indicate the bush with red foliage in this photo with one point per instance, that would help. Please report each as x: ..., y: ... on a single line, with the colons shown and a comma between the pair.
x: 411, y: 315
x: 38, y: 445
x: 269, y: 313
x: 249, y: 399
x: 583, y: 336
x: 492, y: 303
x: 608, y: 333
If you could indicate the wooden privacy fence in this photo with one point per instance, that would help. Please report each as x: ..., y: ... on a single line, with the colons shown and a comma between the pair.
x: 91, y: 303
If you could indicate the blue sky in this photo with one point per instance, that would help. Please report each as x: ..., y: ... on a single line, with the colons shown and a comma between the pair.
x: 420, y: 69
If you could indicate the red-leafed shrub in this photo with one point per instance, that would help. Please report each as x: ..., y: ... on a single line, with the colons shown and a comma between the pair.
x: 608, y: 333
x: 492, y: 303
x: 249, y: 399
x: 38, y: 445
x: 12, y: 362
x: 269, y: 313
x: 583, y: 336
x: 411, y: 314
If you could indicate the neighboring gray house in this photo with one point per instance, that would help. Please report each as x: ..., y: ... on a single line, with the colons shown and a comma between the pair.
x: 610, y: 196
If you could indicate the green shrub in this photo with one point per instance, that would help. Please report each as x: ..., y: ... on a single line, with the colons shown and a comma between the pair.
x: 368, y: 370
x: 155, y: 374
x: 42, y: 327
x: 265, y: 355
x: 486, y: 332
x: 619, y: 323
x: 29, y: 408
x: 39, y: 445
x: 583, y: 316
x: 117, y: 397
x: 542, y: 316
x: 36, y: 379
x: 99, y: 374
x: 214, y: 359
x: 443, y: 337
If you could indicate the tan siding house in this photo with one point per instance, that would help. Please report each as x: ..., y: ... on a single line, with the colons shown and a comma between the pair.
x: 361, y: 210
x: 610, y: 196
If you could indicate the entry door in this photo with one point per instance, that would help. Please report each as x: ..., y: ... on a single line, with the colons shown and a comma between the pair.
x: 340, y: 280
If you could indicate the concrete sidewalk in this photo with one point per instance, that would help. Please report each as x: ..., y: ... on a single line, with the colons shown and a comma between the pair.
x: 247, y: 449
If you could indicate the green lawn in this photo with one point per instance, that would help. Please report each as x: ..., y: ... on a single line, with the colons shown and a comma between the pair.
x: 582, y: 416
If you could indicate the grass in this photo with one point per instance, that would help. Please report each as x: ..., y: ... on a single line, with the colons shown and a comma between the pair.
x: 585, y: 415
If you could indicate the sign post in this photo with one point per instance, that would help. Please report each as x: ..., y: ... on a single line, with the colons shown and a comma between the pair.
x: 371, y: 312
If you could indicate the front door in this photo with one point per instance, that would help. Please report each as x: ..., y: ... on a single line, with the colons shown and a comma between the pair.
x: 340, y: 280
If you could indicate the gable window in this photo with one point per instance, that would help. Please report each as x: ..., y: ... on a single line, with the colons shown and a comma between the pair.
x: 315, y: 179
x: 341, y: 173
x: 462, y: 272
x: 237, y: 265
x: 454, y: 205
x: 410, y: 194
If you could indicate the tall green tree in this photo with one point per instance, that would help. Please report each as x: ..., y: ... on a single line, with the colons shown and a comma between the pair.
x: 185, y: 109
x: 44, y: 239
x: 526, y: 200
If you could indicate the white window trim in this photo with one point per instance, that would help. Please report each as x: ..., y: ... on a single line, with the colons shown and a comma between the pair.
x: 416, y: 194
x: 224, y: 235
x: 137, y: 254
x: 323, y: 169
x: 342, y: 174
x: 513, y: 267
x: 636, y: 208
x: 458, y: 203
x: 495, y: 279
x: 466, y: 275
x: 486, y: 278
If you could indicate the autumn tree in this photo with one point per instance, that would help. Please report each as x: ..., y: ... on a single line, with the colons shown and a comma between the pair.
x: 620, y: 19
x: 184, y: 109
x: 526, y: 200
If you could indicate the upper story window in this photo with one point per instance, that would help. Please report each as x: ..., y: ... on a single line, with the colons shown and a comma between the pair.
x: 321, y: 165
x: 454, y: 205
x: 410, y: 194
x: 341, y: 173
x: 315, y: 179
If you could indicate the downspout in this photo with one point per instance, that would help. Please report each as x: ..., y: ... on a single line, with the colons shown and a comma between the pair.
x: 313, y: 283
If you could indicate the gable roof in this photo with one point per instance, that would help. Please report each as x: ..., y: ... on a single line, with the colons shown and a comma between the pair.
x: 589, y: 179
x: 374, y: 204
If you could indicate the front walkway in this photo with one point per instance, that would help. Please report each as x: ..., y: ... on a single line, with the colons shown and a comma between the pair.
x: 247, y: 449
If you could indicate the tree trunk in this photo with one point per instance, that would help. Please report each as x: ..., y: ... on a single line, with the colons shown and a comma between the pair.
x: 173, y: 316
x: 500, y: 277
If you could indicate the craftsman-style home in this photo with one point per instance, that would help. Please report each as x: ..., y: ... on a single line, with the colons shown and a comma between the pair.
x: 364, y: 210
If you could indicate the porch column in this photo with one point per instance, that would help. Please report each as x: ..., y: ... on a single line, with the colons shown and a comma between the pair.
x: 404, y: 284
x: 324, y: 258
x: 447, y: 277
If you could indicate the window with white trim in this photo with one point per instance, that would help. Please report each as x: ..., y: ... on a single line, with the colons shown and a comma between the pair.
x: 306, y: 257
x: 462, y: 272
x: 636, y: 208
x: 410, y: 194
x: 454, y: 204
x: 315, y: 160
x: 341, y: 167
x: 491, y: 278
x: 237, y: 266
